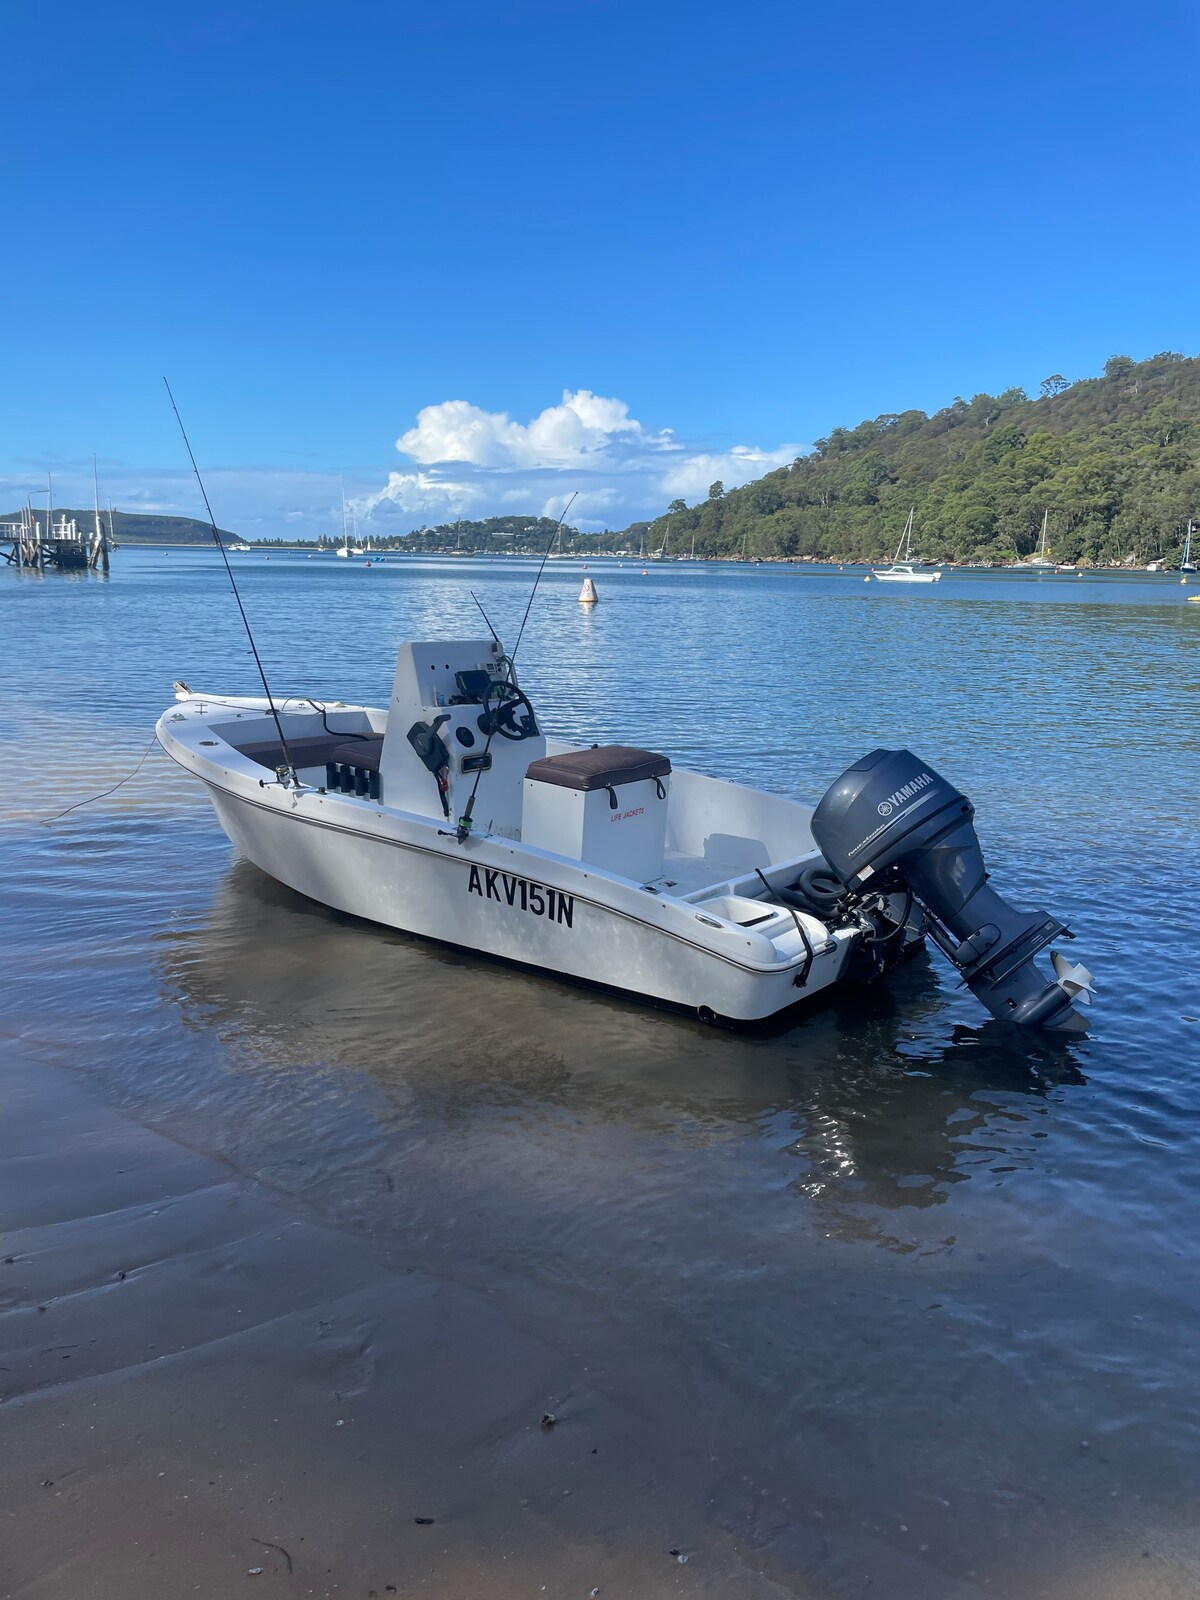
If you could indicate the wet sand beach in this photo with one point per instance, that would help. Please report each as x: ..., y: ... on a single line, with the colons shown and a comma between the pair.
x: 205, y: 1391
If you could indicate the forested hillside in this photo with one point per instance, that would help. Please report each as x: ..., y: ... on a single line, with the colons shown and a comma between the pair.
x: 1115, y: 460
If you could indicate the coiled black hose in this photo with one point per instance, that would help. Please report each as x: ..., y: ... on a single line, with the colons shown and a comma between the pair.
x: 816, y: 888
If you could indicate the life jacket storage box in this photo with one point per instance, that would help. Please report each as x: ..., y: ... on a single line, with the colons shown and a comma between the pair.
x: 606, y: 807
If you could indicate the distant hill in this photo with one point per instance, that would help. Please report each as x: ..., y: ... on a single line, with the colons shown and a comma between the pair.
x: 491, y: 533
x: 1115, y: 460
x: 508, y: 535
x: 137, y: 527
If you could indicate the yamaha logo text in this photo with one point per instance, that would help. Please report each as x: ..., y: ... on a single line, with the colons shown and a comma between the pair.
x: 906, y: 791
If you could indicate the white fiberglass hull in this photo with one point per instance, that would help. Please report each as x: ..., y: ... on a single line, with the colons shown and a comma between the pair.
x: 906, y: 577
x: 493, y: 895
x: 483, y: 899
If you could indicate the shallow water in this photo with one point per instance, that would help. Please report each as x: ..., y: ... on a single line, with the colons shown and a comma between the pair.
x: 930, y: 1285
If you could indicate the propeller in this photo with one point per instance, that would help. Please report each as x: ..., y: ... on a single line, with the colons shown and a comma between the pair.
x: 1076, y: 980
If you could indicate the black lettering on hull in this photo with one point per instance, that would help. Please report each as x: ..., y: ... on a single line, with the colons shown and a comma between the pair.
x: 537, y: 899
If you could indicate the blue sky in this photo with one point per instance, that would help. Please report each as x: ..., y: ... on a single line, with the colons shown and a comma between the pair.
x: 717, y: 230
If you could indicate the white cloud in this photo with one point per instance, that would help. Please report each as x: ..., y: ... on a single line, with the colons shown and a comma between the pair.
x: 583, y: 426
x: 690, y: 478
x: 473, y: 462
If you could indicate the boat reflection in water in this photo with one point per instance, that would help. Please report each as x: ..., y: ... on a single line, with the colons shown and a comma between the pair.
x: 879, y: 1101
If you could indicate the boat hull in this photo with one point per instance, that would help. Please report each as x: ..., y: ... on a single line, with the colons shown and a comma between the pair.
x: 483, y: 897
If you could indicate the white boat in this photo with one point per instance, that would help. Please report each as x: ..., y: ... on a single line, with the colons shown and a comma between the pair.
x: 1186, y: 563
x: 450, y: 814
x: 240, y: 548
x: 346, y: 550
x: 1040, y: 557
x: 903, y: 568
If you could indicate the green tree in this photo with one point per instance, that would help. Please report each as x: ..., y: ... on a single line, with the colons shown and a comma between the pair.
x: 716, y: 491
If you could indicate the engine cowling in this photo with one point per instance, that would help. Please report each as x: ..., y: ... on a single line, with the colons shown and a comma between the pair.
x: 890, y: 818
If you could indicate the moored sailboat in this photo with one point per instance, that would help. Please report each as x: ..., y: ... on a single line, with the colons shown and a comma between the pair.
x: 1041, y: 557
x: 903, y: 568
x: 1186, y: 564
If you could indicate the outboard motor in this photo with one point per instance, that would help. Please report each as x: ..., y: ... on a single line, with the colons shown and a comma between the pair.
x: 890, y: 821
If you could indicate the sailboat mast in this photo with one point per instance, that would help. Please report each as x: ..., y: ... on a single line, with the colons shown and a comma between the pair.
x: 99, y: 550
x: 904, y: 548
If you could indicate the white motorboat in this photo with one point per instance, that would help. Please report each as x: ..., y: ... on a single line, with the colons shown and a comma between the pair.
x: 450, y: 814
x: 903, y: 568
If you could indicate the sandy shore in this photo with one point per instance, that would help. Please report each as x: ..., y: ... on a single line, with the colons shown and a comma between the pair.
x: 206, y: 1393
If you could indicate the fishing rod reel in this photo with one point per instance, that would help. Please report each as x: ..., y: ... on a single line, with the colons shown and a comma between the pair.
x: 896, y: 835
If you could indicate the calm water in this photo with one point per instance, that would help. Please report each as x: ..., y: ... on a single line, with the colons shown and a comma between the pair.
x: 931, y: 1287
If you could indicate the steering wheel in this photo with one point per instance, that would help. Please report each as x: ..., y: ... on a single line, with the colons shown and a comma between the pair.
x: 507, y: 711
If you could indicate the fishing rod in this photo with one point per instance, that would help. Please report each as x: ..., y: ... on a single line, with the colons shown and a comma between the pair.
x: 545, y: 557
x: 463, y: 826
x: 290, y: 765
x: 485, y: 617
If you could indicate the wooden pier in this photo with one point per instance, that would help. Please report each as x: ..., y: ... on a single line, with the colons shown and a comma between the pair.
x: 62, y: 545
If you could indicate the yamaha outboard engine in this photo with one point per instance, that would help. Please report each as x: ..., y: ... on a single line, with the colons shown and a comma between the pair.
x: 891, y: 822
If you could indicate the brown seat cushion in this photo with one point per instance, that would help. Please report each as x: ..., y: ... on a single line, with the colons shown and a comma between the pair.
x: 363, y: 753
x: 602, y: 768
